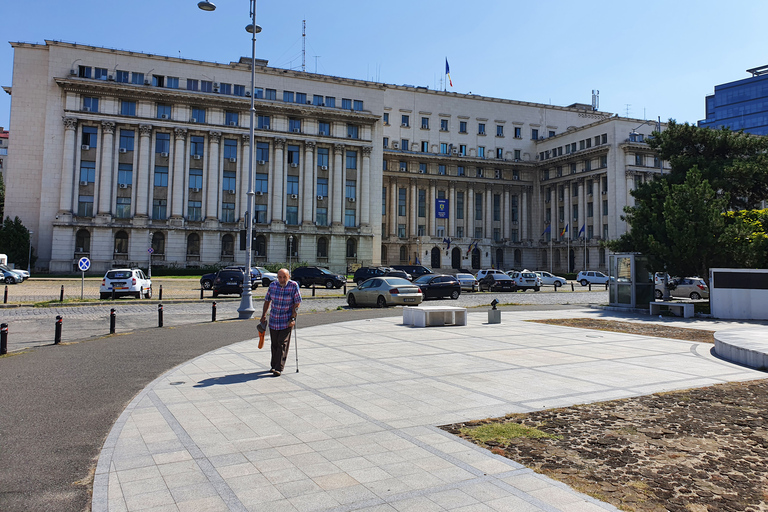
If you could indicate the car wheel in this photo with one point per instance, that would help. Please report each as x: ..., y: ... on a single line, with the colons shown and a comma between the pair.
x: 140, y: 293
x: 149, y: 293
x: 207, y: 284
x: 558, y: 284
x: 536, y: 288
x: 695, y: 296
x: 10, y: 280
x: 584, y: 282
x: 658, y: 294
x: 329, y: 284
x: 381, y: 302
x: 455, y: 294
x: 265, y: 282
x: 351, y: 300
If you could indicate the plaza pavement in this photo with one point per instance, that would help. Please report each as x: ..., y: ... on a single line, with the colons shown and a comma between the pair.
x: 356, y: 428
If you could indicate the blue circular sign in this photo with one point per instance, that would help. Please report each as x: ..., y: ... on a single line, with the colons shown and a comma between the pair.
x: 84, y: 264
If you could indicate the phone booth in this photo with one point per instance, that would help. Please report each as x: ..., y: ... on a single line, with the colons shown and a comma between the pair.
x: 630, y: 282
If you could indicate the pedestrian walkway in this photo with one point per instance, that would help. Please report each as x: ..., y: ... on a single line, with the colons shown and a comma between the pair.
x: 356, y: 427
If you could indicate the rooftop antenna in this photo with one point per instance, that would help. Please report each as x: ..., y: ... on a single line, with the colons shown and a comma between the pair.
x: 304, y: 45
x: 595, y: 99
x: 627, y: 105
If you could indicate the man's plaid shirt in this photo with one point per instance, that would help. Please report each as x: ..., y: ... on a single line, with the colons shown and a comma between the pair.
x: 283, y: 300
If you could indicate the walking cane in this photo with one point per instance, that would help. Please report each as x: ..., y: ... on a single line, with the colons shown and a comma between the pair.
x: 296, y: 346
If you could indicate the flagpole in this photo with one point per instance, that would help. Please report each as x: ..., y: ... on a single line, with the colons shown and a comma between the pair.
x: 585, y: 250
x: 568, y: 251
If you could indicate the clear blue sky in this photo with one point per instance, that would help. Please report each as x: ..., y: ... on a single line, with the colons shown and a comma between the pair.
x: 659, y: 57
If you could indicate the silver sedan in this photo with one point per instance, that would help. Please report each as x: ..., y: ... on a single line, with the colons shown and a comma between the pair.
x: 385, y: 291
x: 468, y: 282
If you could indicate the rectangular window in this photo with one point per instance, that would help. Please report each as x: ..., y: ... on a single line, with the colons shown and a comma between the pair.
x: 262, y: 152
x: 137, y: 78
x: 90, y: 104
x: 357, y: 105
x: 384, y: 165
x: 159, y: 209
x: 232, y: 118
x: 443, y: 125
x: 196, y: 179
x: 480, y: 152
x: 443, y: 148
x: 481, y: 128
x: 479, y: 206
x: 351, y: 159
x: 195, y: 210
x: 589, y: 143
x: 229, y: 181
x: 270, y: 94
x: 590, y: 232
x: 322, y: 157
x: 575, y: 212
x: 405, y: 121
x: 561, y: 213
x: 425, y: 123
x: 385, y: 142
x: 198, y: 115
x: 263, y: 123
x: 384, y: 202
x: 346, y: 104
x: 496, y: 234
x: 123, y: 208
x: 496, y: 207
x: 330, y: 101
x: 127, y: 108
x: 499, y: 130
x: 353, y: 131
x: 317, y: 100
x: 100, y: 74
x: 479, y: 172
x: 239, y: 90
x: 323, y: 128
x: 294, y: 125
x: 87, y: 171
x: 401, y: 232
x: 227, y: 212
x: 161, y: 176
x: 401, y: 202
x: 604, y: 161
x: 349, y: 217
x: 126, y: 139
x: 478, y: 232
x: 422, y: 168
x: 322, y: 187
x: 292, y: 185
x: 422, y: 203
x: 322, y: 216
x: 459, y: 205
x: 405, y: 145
x: 260, y: 214
x: 605, y: 207
x: 463, y: 150
x: 197, y: 145
x: 293, y: 155
x: 460, y: 170
x: 230, y: 149
x: 425, y: 146
x: 574, y: 191
x: 262, y: 180
x: 172, y: 82
x: 518, y: 132
x: 403, y: 166
x: 534, y: 134
x: 193, y: 85
x: 158, y: 81
x: 605, y: 237
x: 163, y: 111
x: 462, y: 127
x: 258, y: 93
x: 638, y: 159
x: 421, y: 230
x: 587, y: 165
x: 441, y: 169
x: 590, y: 212
x: 460, y: 231
x: 122, y: 76
x: 386, y: 118
x: 513, y: 211
x: 499, y: 153
x: 551, y: 133
x: 301, y: 98
x: 206, y: 86
x: 350, y: 189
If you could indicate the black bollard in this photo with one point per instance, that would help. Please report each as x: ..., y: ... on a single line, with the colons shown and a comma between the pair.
x: 590, y: 286
x: 571, y: 286
x: 201, y: 293
x: 345, y: 288
x: 313, y: 290
x: 112, y: 321
x: 113, y: 293
x: 159, y: 315
x: 213, y: 312
x: 606, y: 286
x: 57, y: 331
x: 161, y: 294
x: 3, y: 339
x: 556, y: 287
x: 5, y: 296
x: 61, y: 294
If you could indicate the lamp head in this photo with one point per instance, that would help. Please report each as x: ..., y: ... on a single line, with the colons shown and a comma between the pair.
x: 205, y: 5
x: 493, y: 303
x: 251, y: 30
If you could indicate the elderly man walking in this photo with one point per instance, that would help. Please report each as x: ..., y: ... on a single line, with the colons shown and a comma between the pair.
x: 285, y: 298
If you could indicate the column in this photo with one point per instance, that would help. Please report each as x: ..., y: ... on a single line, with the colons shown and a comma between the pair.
x: 597, y: 206
x: 308, y: 181
x: 488, y: 224
x: 68, y: 165
x: 212, y: 192
x: 276, y: 180
x: 431, y: 221
x: 393, y: 212
x: 522, y: 213
x: 451, y: 209
x: 177, y: 199
x: 567, y: 207
x: 582, y: 210
x: 337, y: 183
x: 365, y: 188
x: 505, y: 214
x: 105, y: 170
x: 142, y: 190
x: 469, y: 232
x: 414, y: 208
x: 244, y: 164
x: 630, y: 187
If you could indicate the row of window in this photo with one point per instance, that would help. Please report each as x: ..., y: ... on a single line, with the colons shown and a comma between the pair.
x: 448, y: 149
x: 575, y: 190
x: 586, y: 166
x: 571, y: 147
x: 459, y: 210
x: 575, y: 211
x: 405, y: 122
x: 442, y: 170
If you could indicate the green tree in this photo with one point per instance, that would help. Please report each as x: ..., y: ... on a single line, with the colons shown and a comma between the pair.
x: 14, y: 242
x: 746, y: 238
x: 2, y: 195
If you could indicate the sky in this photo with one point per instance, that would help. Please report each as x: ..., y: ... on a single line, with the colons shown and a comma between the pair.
x: 648, y: 58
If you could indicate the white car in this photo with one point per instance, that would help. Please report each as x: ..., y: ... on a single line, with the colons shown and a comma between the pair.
x: 482, y: 273
x: 549, y: 279
x: 125, y: 281
x: 266, y: 276
x: 525, y: 279
x: 23, y: 274
x: 586, y: 277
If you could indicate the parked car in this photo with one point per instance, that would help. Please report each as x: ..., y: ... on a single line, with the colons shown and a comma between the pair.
x: 206, y: 281
x: 21, y: 272
x: 228, y: 281
x: 125, y: 282
x: 416, y: 271
x: 586, y: 277
x: 482, y: 273
x: 525, y: 280
x: 267, y: 277
x: 689, y: 287
x: 438, y: 286
x: 11, y: 277
x: 395, y: 272
x: 497, y: 283
x: 364, y: 273
x: 467, y: 282
x: 307, y: 276
x: 548, y: 279
x: 385, y: 291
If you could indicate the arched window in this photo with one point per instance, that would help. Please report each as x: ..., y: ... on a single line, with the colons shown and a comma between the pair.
x: 403, y: 254
x: 383, y: 254
x: 158, y: 244
x: 227, y: 246
x: 351, y: 248
x: 587, y: 258
x: 260, y: 246
x: 518, y: 259
x: 544, y: 260
x: 121, y: 243
x: 557, y: 258
x: 83, y: 241
x: 193, y: 246
x: 322, y: 247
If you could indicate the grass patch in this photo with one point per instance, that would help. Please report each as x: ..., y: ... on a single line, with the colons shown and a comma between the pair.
x: 56, y: 302
x: 641, y: 329
x: 502, y: 433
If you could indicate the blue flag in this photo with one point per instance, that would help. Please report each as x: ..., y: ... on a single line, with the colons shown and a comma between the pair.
x: 547, y: 230
x: 581, y: 230
x: 448, y: 72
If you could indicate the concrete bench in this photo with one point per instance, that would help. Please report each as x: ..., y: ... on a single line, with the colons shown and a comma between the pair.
x: 679, y: 308
x: 429, y: 316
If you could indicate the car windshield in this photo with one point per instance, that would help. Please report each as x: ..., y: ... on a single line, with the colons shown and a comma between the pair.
x: 529, y: 275
x: 324, y: 270
x: 464, y: 276
x: 396, y: 281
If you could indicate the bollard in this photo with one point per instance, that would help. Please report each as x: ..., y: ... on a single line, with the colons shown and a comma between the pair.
x: 556, y: 287
x: 5, y: 296
x: 345, y: 288
x: 112, y: 321
x: 113, y: 293
x: 313, y: 290
x: 3, y: 339
x: 606, y: 286
x: 201, y: 293
x: 159, y: 315
x: 213, y: 311
x: 61, y: 294
x: 571, y: 286
x: 57, y: 331
x: 590, y: 286
x: 161, y: 295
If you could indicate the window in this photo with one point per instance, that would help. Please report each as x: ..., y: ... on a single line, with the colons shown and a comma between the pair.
x: 597, y: 140
x: 90, y: 104
x: 239, y: 90
x: 479, y: 206
x: 87, y: 171
x: 460, y: 170
x: 126, y: 139
x: 574, y: 191
x: 301, y: 98
x: 158, y: 81
x: 349, y: 217
x: 322, y: 248
x: 228, y: 244
x: 322, y: 187
x: 322, y: 157
x: 499, y: 153
x: 587, y: 165
x: 384, y: 202
x: 460, y: 231
x: 197, y: 145
x: 85, y: 206
x: 260, y: 216
x: 422, y: 168
x: 357, y: 105
x: 293, y: 154
x: 534, y: 134
x: 229, y: 181
x: 589, y: 143
x: 123, y: 76
x: 346, y: 104
x: 127, y: 108
x: 459, y: 205
x: 351, y: 159
x: 425, y: 123
x: 561, y: 213
x: 513, y: 210
x: 638, y: 159
x: 292, y: 185
x: 121, y: 242
x: 195, y: 210
x: 605, y: 237
x: 292, y: 215
x: 462, y: 127
x: 441, y: 169
x: 270, y: 94
x: 403, y: 166
x: 480, y: 152
x: 198, y: 114
x: 443, y: 148
x: 590, y: 212
x: 330, y: 101
x: 83, y: 241
x: 100, y: 74
x: 350, y: 189
x: 463, y: 150
x: 481, y: 129
x: 262, y: 151
x: 163, y: 111
x: 496, y: 234
x: 405, y: 145
x: 518, y: 132
x: 322, y: 217
x: 294, y: 125
x: 605, y: 207
x: 443, y: 125
x: 123, y: 208
x: 353, y: 131
x: 499, y: 130
x: 496, y: 207
x: 517, y: 154
x: 590, y: 232
x: 324, y: 128
x: 401, y: 234
x: 124, y: 175
x: 422, y: 203
x: 232, y: 119
x: 575, y: 212
x: 172, y: 82
x: 161, y: 176
x: 385, y: 142
x: 137, y: 78
x: 230, y: 149
x: 193, y: 245
x: 478, y: 233
x: 421, y: 230
x: 604, y: 161
x: 401, y: 202
x: 479, y: 172
x: 405, y: 121
x: 162, y: 142
x: 263, y: 122
x: 196, y: 179
x: 262, y: 180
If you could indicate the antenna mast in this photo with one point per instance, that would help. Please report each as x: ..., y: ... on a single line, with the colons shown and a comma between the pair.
x: 595, y: 99
x: 303, y: 44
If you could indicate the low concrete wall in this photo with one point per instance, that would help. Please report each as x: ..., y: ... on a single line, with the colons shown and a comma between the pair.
x: 748, y: 347
x: 739, y: 293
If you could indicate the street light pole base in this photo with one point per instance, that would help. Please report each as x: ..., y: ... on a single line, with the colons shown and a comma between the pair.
x: 246, y: 309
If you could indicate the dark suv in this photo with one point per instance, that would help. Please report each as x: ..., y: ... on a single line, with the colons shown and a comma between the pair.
x: 228, y: 282
x: 365, y: 273
x: 416, y: 271
x: 307, y: 276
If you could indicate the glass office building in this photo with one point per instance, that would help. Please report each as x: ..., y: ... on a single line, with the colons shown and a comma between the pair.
x: 740, y: 105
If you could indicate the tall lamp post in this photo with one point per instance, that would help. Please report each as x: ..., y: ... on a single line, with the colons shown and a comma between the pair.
x: 29, y: 258
x: 246, y: 309
x: 290, y: 252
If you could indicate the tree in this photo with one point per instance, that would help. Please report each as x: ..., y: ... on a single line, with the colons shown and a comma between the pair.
x: 2, y: 195
x: 14, y: 242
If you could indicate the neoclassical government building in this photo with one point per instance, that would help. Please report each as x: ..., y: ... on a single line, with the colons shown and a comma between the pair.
x: 121, y: 156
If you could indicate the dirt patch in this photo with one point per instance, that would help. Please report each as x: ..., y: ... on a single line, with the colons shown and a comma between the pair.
x: 656, y: 330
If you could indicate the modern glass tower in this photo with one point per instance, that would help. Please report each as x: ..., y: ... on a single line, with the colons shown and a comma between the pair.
x: 740, y: 105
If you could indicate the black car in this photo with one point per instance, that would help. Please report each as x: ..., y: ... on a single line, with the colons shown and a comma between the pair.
x: 364, y: 273
x: 497, y: 283
x: 207, y: 280
x: 308, y: 276
x: 228, y: 282
x: 415, y: 270
x: 439, y: 286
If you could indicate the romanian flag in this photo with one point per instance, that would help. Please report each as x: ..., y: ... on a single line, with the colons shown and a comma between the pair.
x: 448, y: 71
x: 565, y: 230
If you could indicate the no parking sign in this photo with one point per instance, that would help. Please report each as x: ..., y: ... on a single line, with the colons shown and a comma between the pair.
x: 84, y: 264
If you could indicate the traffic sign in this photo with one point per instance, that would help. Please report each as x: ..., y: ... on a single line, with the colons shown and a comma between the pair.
x: 150, y: 250
x: 84, y: 264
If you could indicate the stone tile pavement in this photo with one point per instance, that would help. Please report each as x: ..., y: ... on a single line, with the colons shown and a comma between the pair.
x: 356, y: 428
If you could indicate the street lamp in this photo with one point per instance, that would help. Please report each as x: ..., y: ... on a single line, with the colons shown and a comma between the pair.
x: 290, y: 252
x: 29, y: 258
x: 246, y: 309
x: 150, y: 250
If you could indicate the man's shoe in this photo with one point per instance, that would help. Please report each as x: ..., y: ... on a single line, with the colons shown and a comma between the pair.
x: 276, y: 373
